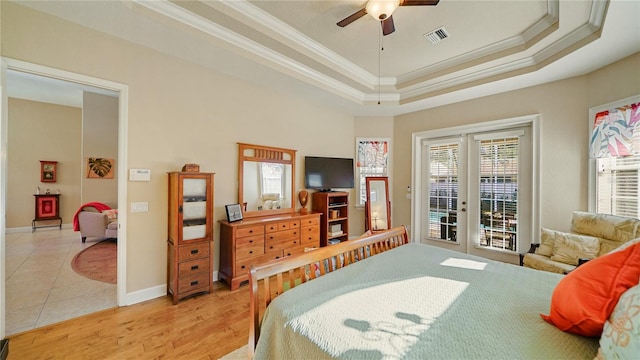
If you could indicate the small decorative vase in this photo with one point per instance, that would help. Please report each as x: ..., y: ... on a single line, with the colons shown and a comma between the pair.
x: 303, y: 196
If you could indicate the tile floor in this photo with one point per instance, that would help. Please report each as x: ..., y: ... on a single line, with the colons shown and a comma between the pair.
x: 41, y: 286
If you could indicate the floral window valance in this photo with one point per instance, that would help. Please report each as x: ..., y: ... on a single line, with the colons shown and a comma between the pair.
x: 616, y: 132
x: 372, y: 154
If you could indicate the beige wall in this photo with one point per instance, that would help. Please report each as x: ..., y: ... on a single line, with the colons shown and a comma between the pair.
x: 99, y: 139
x: 614, y: 82
x: 40, y: 131
x: 178, y: 113
x: 564, y: 109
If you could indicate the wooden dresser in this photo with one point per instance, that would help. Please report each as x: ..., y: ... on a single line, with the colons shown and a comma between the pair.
x: 254, y: 241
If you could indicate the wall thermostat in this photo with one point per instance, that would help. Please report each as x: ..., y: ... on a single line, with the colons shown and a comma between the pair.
x: 139, y: 174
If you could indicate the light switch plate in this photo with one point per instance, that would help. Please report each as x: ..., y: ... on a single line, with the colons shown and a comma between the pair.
x: 139, y: 174
x: 139, y: 207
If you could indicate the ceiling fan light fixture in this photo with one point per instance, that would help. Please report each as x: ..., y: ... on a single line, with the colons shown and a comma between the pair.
x: 381, y: 9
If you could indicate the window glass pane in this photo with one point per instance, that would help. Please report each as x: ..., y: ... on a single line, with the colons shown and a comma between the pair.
x: 617, y: 185
x: 499, y: 192
x: 443, y: 191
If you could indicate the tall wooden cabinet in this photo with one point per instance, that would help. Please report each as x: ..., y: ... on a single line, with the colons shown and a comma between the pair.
x: 254, y: 241
x: 334, y: 222
x: 190, y: 243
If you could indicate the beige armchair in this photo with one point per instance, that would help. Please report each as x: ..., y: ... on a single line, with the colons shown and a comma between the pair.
x: 592, y: 235
x: 98, y: 224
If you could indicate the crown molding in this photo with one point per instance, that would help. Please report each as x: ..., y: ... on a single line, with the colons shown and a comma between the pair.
x: 273, y: 59
x: 261, y: 20
x: 456, y: 73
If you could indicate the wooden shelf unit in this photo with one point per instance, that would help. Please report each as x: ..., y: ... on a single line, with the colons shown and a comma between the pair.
x: 190, y: 242
x: 334, y: 207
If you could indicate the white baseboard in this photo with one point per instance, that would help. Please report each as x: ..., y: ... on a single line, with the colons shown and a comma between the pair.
x: 152, y: 293
x: 146, y: 294
x: 27, y: 229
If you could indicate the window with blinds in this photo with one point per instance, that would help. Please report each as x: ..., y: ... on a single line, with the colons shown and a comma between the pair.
x: 443, y: 190
x: 617, y: 185
x: 498, y: 161
x: 372, y: 160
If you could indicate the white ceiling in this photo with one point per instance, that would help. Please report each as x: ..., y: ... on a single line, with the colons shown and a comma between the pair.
x: 296, y: 46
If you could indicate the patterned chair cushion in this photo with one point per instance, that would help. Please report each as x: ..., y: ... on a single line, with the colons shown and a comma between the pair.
x: 568, y: 248
x: 542, y: 262
x: 611, y: 229
x: 546, y: 242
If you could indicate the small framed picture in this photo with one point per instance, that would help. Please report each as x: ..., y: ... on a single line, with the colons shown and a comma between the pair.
x: 48, y: 171
x: 234, y: 212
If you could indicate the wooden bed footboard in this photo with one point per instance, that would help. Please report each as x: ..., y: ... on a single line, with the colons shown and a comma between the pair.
x: 283, y: 274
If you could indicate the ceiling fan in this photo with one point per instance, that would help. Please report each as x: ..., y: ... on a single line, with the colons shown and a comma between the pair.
x: 381, y: 10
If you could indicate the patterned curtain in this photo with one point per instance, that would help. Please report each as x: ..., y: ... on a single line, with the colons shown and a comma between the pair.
x: 616, y: 132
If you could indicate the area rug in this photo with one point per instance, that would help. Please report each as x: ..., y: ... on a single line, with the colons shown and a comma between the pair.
x: 98, y: 262
x: 238, y: 354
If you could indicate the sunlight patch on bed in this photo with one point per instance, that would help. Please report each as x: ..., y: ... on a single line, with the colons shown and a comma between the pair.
x: 385, y: 319
x: 464, y: 263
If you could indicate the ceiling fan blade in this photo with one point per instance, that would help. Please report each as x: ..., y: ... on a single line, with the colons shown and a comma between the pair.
x: 418, y: 2
x: 387, y: 26
x: 353, y: 17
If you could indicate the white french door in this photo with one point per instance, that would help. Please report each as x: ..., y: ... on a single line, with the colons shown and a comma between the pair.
x: 476, y: 190
x: 444, y: 189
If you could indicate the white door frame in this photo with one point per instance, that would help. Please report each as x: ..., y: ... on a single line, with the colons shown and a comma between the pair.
x: 417, y: 161
x: 123, y: 111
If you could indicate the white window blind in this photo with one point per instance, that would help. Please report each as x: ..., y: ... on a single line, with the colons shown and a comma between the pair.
x: 617, y: 185
x: 499, y: 164
x: 443, y: 190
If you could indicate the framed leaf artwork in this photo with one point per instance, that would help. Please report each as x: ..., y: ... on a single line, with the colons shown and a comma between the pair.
x: 100, y: 168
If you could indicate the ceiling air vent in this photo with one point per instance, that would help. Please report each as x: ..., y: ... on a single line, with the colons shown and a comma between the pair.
x: 437, y: 35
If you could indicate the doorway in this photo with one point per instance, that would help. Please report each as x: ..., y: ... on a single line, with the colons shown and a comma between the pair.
x: 79, y: 82
x: 476, y: 187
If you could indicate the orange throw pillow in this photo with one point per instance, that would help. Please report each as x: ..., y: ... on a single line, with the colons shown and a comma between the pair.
x: 585, y: 298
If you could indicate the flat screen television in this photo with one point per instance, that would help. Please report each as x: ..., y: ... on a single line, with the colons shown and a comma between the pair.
x: 327, y: 173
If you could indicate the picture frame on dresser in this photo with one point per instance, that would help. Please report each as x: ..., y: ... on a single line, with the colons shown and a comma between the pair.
x: 234, y: 212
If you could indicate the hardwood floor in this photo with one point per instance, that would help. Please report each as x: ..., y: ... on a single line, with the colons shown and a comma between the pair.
x: 204, y: 327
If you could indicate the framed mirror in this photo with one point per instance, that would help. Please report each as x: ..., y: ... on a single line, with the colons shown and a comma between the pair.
x: 265, y: 180
x: 377, y: 205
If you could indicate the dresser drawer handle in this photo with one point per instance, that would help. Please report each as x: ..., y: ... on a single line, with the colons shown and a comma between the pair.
x: 250, y: 241
x: 251, y: 252
x: 194, y: 267
x: 271, y: 247
x: 250, y: 231
x: 271, y: 238
x: 194, y: 283
x: 295, y: 233
x: 194, y: 251
x: 243, y: 266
